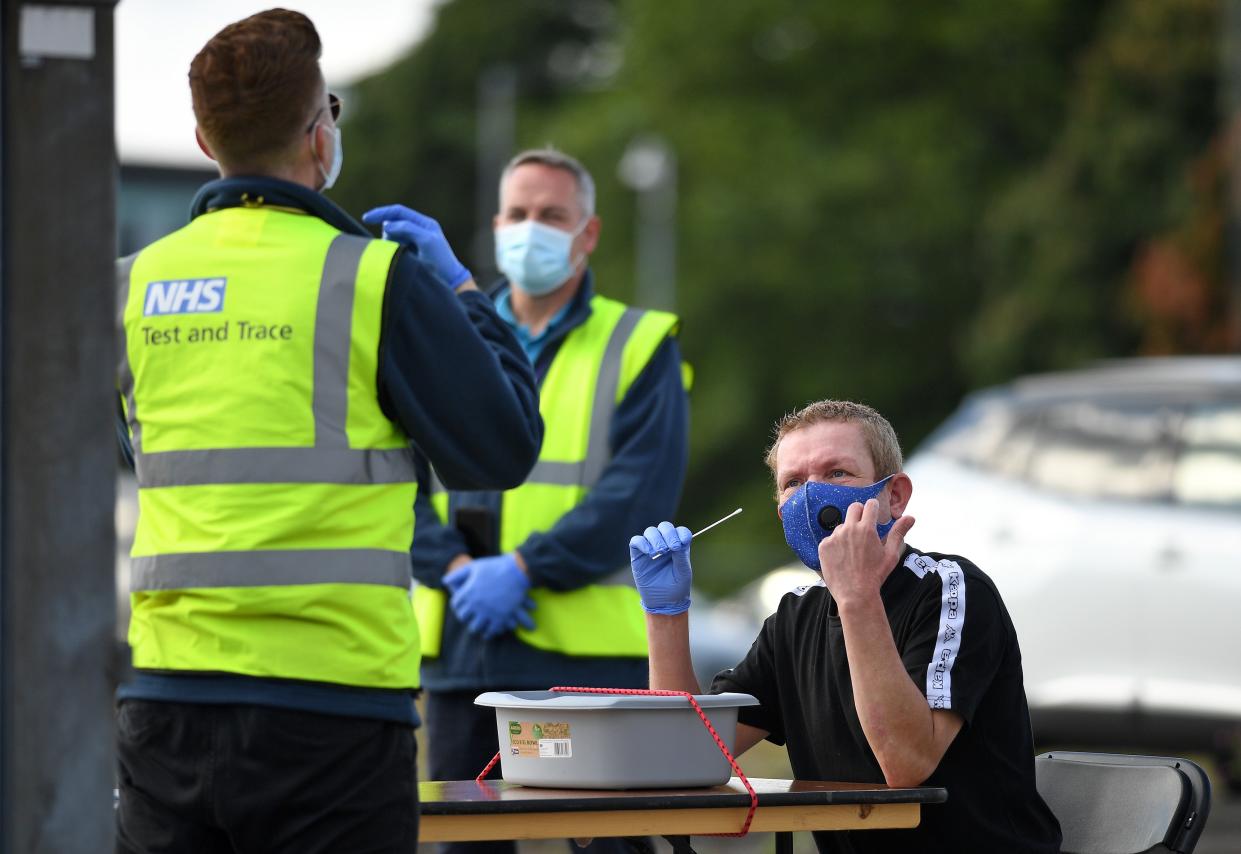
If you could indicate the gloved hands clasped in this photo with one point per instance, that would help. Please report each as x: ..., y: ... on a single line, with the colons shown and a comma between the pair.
x: 489, y: 595
x: 663, y: 581
x: 411, y: 228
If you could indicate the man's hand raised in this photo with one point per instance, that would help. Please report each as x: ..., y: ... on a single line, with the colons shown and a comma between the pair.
x: 855, y: 561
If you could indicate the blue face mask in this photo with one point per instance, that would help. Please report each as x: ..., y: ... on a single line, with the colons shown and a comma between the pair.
x: 813, y: 512
x: 534, y: 256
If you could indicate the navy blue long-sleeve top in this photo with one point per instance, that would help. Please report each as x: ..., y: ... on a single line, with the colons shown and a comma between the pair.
x: 451, y: 374
x: 649, y: 442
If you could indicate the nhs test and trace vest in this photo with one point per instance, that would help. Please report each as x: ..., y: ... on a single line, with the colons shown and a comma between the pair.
x: 274, y: 495
x: 588, y: 377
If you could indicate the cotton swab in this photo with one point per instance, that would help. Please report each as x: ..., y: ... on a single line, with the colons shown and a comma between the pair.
x: 703, y: 531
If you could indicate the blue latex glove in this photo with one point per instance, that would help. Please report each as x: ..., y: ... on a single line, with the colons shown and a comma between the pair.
x: 663, y: 582
x: 411, y: 228
x: 489, y: 596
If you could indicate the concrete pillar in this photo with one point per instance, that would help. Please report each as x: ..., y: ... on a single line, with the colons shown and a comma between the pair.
x: 57, y: 446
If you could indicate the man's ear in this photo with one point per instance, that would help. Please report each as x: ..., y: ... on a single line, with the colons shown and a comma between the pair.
x: 202, y: 143
x: 590, y: 234
x: 900, y: 488
x: 319, y: 138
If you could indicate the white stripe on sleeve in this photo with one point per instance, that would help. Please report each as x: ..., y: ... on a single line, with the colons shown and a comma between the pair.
x: 951, y: 623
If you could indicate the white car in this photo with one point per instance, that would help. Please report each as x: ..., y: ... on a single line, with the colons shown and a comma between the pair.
x: 1106, y: 505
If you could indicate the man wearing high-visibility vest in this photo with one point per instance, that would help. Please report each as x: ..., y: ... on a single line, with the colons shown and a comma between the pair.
x: 525, y: 583
x: 277, y: 367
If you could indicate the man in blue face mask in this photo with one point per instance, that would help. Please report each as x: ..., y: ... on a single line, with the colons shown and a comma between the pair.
x: 895, y: 666
x: 528, y: 588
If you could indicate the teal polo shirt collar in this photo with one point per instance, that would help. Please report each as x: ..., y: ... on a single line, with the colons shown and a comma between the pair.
x: 531, y: 345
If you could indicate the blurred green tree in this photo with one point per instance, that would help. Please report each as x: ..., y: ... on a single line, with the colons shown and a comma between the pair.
x: 835, y: 163
x: 1177, y: 283
x: 1077, y: 256
x: 880, y: 201
x: 411, y: 130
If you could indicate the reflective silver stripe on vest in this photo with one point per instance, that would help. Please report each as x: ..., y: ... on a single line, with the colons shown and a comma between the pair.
x: 331, y: 460
x: 437, y: 485
x: 125, y: 374
x: 275, y: 465
x: 598, y: 454
x: 558, y: 474
x: 269, y: 569
x: 587, y: 472
x: 333, y: 333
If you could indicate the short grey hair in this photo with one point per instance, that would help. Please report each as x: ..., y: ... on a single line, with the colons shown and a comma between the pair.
x: 558, y: 160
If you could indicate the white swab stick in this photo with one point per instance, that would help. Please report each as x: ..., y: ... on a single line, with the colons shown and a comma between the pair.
x: 704, y: 530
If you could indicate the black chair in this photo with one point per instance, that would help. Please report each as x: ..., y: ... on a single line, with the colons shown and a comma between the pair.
x: 1111, y: 803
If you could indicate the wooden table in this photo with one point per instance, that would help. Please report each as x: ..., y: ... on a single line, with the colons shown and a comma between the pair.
x: 463, y: 810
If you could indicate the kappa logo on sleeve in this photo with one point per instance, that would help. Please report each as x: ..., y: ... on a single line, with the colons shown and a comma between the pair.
x: 184, y: 296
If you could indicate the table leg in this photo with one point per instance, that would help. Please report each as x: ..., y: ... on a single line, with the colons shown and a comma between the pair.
x: 784, y: 842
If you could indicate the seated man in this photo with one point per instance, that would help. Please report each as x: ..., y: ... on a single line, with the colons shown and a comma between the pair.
x: 895, y: 666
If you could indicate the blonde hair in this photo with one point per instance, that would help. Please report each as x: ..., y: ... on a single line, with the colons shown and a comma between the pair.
x: 880, y: 438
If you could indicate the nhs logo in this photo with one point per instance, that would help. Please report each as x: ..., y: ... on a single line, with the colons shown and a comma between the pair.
x: 184, y: 296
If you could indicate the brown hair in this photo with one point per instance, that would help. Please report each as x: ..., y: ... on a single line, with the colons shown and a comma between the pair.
x: 880, y: 438
x: 254, y: 86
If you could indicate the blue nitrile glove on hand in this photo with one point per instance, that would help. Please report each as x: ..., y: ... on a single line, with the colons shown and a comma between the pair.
x: 663, y: 582
x: 411, y: 228
x: 489, y: 595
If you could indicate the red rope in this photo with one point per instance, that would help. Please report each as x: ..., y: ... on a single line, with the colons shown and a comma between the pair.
x: 719, y: 742
x: 487, y: 770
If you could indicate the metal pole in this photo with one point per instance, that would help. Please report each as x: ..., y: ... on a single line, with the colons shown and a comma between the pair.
x: 657, y: 246
x: 494, y: 141
x: 57, y: 448
x: 649, y: 167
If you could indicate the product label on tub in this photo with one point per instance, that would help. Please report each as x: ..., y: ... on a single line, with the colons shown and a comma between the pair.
x: 539, y: 740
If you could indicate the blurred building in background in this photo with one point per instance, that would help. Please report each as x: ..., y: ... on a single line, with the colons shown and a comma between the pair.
x: 154, y: 200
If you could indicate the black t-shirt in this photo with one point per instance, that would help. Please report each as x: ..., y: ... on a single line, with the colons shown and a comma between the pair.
x: 958, y: 645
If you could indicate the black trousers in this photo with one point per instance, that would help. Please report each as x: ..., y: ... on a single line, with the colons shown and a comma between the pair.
x: 239, y: 779
x: 461, y: 739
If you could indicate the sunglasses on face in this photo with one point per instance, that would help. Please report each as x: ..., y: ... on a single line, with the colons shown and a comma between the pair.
x: 333, y: 105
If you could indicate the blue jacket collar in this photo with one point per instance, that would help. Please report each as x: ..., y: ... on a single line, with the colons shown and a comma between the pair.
x: 579, y: 307
x: 261, y: 190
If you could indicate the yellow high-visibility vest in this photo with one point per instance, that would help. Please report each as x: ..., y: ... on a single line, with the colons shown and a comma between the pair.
x: 274, y: 495
x: 592, y: 370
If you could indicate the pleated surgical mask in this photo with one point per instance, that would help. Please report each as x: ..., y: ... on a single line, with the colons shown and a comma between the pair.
x: 536, y: 257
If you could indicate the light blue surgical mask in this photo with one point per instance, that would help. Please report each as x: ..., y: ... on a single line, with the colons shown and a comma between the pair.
x: 536, y: 257
x: 812, y: 512
x: 338, y: 160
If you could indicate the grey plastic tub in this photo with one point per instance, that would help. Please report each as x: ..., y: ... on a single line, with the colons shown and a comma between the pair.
x: 603, y: 741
